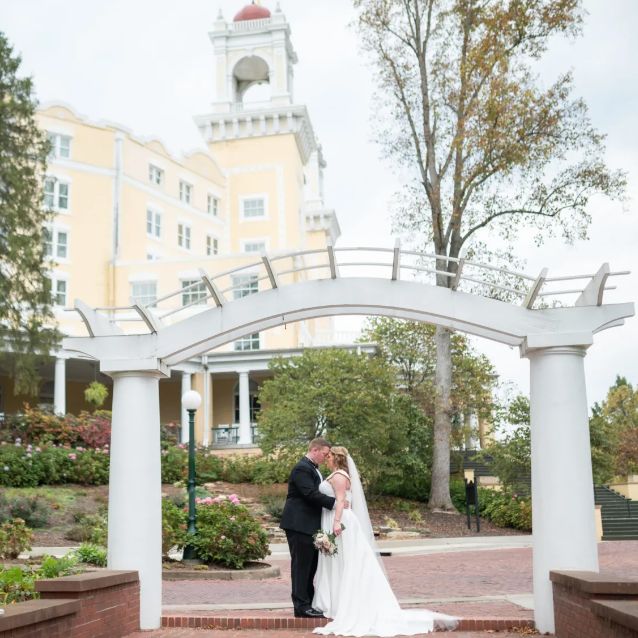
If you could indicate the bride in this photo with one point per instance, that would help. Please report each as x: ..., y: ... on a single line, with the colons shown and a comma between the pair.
x: 351, y: 586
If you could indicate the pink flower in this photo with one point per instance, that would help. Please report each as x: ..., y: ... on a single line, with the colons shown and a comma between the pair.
x: 72, y: 456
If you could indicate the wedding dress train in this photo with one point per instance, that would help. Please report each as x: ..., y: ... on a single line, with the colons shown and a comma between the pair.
x: 351, y: 587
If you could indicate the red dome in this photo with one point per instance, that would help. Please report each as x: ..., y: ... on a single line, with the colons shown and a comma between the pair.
x: 252, y: 12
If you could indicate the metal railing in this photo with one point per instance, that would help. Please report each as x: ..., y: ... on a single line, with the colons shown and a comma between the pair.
x: 274, y: 271
x: 228, y: 435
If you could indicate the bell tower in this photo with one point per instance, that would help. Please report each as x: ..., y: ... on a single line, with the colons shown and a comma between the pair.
x: 253, y: 49
x: 260, y: 135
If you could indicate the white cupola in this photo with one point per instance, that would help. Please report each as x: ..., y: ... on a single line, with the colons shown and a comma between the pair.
x: 253, y: 49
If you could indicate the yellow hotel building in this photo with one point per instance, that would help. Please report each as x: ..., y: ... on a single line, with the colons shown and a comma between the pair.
x: 133, y: 223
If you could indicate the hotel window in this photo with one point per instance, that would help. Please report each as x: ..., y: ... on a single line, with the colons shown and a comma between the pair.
x: 245, y: 285
x: 184, y: 236
x: 249, y: 342
x: 212, y: 245
x: 254, y: 246
x: 213, y: 205
x: 48, y: 242
x: 155, y: 175
x: 185, y: 191
x: 58, y: 290
x: 253, y: 207
x: 153, y: 223
x: 144, y: 293
x: 56, y: 194
x: 196, y: 291
x: 56, y: 243
x: 60, y: 145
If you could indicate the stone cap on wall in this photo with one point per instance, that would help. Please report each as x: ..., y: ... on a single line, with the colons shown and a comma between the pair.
x: 31, y: 612
x: 621, y: 612
x: 609, y: 583
x: 87, y: 581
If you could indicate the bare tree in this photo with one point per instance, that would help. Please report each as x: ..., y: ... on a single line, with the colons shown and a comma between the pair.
x: 489, y: 148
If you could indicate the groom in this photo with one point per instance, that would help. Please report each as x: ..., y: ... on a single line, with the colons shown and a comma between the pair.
x: 301, y: 518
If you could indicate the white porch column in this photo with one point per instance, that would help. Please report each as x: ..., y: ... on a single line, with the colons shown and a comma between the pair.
x: 186, y: 387
x: 244, y: 409
x: 562, y: 482
x: 135, y: 507
x: 59, y: 387
x: 206, y: 404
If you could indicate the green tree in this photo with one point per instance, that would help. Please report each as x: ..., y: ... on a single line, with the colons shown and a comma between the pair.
x: 26, y: 317
x: 511, y: 454
x: 349, y: 398
x: 487, y: 149
x: 410, y: 347
x: 614, y: 432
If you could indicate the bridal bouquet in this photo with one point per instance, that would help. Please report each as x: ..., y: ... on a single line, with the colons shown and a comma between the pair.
x: 325, y: 542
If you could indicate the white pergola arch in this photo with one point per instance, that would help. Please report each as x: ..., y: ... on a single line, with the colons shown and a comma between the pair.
x: 555, y: 341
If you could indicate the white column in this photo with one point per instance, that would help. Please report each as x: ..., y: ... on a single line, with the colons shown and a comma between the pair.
x: 206, y: 399
x: 59, y: 387
x: 186, y: 387
x: 135, y: 499
x: 244, y: 409
x: 564, y: 535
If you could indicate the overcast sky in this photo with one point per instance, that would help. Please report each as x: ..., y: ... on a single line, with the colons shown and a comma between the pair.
x: 148, y: 65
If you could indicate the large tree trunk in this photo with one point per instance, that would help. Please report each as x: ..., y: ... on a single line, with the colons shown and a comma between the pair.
x: 440, y: 489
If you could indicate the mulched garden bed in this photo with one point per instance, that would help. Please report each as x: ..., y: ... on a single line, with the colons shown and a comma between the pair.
x: 408, y: 515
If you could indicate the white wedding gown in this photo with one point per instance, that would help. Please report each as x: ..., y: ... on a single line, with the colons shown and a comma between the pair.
x: 352, y: 588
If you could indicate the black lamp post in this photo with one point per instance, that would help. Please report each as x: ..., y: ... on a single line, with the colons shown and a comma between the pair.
x: 191, y: 400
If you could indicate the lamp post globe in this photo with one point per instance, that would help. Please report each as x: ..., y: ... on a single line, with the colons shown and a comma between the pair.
x: 191, y: 400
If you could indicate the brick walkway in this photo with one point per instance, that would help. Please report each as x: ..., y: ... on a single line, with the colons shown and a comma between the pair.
x: 414, y: 578
x: 469, y: 584
x: 287, y: 633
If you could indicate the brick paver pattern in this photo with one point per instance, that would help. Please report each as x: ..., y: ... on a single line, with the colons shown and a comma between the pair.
x: 433, y: 576
x: 290, y: 633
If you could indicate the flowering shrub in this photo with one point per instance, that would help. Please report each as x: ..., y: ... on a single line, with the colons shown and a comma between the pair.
x: 173, y: 526
x: 174, y: 464
x: 504, y: 509
x: 227, y: 534
x: 15, y: 538
x: 507, y: 510
x: 93, y: 429
x: 29, y: 466
x: 208, y: 466
x: 39, y: 427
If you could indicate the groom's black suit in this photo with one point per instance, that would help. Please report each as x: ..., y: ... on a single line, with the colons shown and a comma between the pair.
x: 301, y: 518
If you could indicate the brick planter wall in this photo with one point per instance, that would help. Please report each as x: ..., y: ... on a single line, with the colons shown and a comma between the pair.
x: 593, y: 605
x: 102, y: 604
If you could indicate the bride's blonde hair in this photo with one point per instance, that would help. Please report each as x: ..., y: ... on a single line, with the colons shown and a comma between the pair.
x: 340, y: 457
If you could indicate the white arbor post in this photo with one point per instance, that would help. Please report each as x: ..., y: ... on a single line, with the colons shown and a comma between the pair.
x: 59, y: 387
x: 135, y: 484
x: 244, y: 409
x: 562, y: 483
x: 186, y: 387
